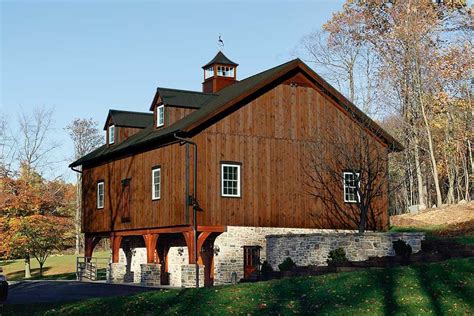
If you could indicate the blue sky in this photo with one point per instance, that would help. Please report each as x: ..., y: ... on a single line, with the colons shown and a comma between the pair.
x: 85, y: 57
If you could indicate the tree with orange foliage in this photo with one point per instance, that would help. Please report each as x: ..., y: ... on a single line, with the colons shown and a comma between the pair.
x: 36, y: 235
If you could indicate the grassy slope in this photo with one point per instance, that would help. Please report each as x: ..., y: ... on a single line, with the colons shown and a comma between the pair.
x: 437, y: 288
x: 62, y: 267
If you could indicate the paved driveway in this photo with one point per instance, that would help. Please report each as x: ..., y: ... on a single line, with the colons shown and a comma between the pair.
x: 60, y: 291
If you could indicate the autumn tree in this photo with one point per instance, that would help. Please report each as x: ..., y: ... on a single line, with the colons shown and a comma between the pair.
x: 422, y: 61
x: 86, y: 136
x: 37, y: 236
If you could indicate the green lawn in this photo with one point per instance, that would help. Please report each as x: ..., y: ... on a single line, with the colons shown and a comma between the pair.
x: 436, y: 288
x: 59, y: 267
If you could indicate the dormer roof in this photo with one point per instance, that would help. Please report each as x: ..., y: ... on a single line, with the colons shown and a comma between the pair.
x: 181, y: 98
x: 129, y: 119
x: 220, y: 59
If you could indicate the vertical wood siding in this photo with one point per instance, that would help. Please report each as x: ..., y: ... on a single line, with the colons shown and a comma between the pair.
x: 268, y: 137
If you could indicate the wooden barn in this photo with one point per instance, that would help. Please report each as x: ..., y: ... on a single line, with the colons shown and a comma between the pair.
x: 188, y: 191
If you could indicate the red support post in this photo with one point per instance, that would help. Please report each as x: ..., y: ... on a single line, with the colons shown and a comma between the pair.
x: 115, y: 242
x: 150, y: 243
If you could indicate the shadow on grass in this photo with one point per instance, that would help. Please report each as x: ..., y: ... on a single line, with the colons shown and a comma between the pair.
x: 20, y: 275
x: 444, y: 283
x: 387, y: 283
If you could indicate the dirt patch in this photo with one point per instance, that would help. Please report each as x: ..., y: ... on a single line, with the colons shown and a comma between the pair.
x: 448, y: 220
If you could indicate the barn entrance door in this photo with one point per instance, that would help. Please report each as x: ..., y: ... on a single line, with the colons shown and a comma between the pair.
x: 251, y: 260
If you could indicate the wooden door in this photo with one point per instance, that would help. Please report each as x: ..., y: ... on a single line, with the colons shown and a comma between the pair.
x: 251, y: 260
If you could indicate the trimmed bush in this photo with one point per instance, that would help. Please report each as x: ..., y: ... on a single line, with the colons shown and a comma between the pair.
x: 336, y: 256
x: 266, y: 268
x: 402, y: 249
x: 287, y: 265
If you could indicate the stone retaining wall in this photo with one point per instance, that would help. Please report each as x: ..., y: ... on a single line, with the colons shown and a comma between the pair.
x: 313, y: 249
x: 229, y: 252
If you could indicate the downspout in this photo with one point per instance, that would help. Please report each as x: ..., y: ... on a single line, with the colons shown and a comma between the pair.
x: 193, y: 199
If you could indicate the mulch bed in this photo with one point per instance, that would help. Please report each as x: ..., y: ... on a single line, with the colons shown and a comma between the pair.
x: 431, y: 251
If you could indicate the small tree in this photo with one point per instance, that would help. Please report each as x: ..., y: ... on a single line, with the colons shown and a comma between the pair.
x: 347, y: 172
x: 38, y: 236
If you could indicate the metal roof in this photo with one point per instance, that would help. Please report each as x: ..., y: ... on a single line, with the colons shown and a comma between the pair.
x: 228, y: 96
x: 130, y: 119
x: 220, y: 58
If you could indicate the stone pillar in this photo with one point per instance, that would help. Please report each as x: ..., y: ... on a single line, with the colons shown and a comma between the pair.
x: 117, y: 272
x: 150, y: 274
x: 188, y: 275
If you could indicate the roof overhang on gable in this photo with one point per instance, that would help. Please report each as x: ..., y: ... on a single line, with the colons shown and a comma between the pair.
x: 109, y: 120
x: 293, y: 67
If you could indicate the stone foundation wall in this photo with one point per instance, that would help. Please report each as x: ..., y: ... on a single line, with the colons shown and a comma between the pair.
x: 150, y: 274
x: 177, y: 257
x: 313, y: 249
x: 188, y: 275
x: 116, y: 272
x: 229, y: 252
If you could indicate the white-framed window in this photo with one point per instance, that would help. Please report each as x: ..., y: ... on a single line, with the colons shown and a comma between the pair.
x: 351, y: 184
x: 230, y: 180
x: 156, y: 183
x: 160, y: 115
x: 209, y: 72
x: 225, y: 71
x: 100, y: 194
x: 111, y: 134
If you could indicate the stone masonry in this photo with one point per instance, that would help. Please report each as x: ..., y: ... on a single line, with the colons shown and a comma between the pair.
x: 150, y: 274
x: 116, y: 272
x: 313, y: 249
x: 229, y: 251
x: 304, y: 246
x: 188, y: 275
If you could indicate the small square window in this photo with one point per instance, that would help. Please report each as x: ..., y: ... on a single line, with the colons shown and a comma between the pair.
x: 351, y: 185
x: 230, y: 180
x: 160, y: 116
x: 156, y: 183
x: 111, y: 134
x: 100, y: 194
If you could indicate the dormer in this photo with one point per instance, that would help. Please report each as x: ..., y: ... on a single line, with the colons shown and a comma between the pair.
x: 171, y: 105
x: 120, y: 125
x: 219, y: 73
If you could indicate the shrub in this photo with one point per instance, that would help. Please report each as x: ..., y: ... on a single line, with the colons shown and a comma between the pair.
x: 266, y: 268
x: 337, y: 255
x: 287, y: 265
x: 402, y: 249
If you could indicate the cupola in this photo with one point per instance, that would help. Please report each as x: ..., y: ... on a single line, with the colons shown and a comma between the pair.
x: 219, y: 73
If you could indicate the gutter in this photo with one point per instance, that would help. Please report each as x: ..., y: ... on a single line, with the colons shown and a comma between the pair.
x: 76, y: 170
x: 192, y: 200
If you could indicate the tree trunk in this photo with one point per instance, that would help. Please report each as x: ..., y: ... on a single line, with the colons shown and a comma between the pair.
x: 419, y: 175
x: 41, y: 268
x: 434, y: 167
x: 27, y: 267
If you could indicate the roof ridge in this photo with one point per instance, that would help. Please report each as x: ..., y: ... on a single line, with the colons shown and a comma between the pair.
x: 125, y: 111
x: 183, y: 90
